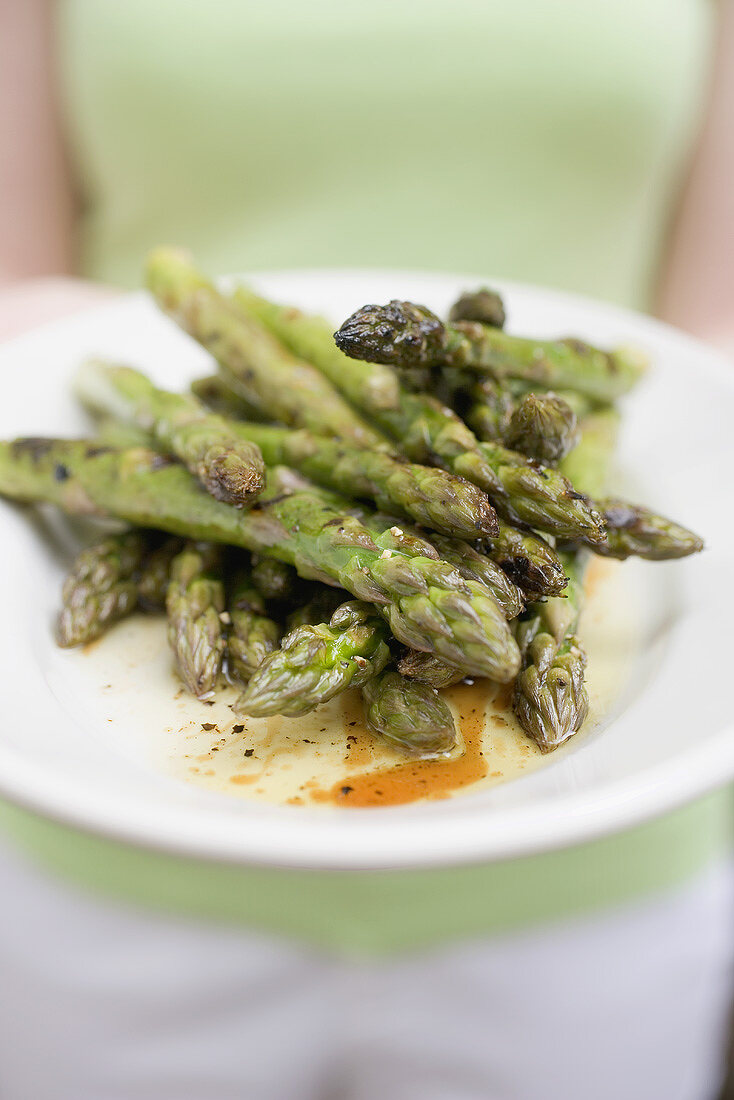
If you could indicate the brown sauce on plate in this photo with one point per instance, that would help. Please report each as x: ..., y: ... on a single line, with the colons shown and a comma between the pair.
x: 400, y: 783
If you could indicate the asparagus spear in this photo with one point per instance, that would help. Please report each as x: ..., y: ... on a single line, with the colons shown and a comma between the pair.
x: 229, y: 466
x: 484, y: 404
x: 253, y: 635
x: 281, y: 386
x: 539, y: 423
x: 101, y: 587
x: 406, y: 335
x: 310, y: 338
x: 274, y: 580
x: 194, y: 605
x: 410, y: 713
x: 427, y: 603
x: 429, y: 496
x: 550, y: 700
x: 428, y: 669
x: 430, y: 433
x: 224, y: 400
x: 635, y: 530
x: 538, y: 496
x: 477, y: 572
x: 528, y: 561
x: 478, y: 566
x: 631, y: 529
x: 542, y: 426
x: 317, y: 662
x: 587, y: 465
x: 393, y: 534
x: 117, y: 433
x: 483, y: 305
x: 155, y: 574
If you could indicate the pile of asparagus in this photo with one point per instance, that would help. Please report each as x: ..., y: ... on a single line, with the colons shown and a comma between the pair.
x: 394, y: 508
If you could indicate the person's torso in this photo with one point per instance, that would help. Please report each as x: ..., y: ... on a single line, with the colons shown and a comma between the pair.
x: 537, y: 141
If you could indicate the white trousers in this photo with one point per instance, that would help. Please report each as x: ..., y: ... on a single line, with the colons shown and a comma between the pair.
x: 102, y: 1002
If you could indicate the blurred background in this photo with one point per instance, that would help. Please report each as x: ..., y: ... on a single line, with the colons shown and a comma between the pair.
x: 577, y: 144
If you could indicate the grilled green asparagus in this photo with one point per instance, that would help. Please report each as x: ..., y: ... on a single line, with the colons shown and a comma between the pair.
x: 393, y: 534
x: 194, y: 606
x: 224, y: 400
x: 316, y: 662
x: 528, y: 560
x: 229, y: 466
x: 544, y: 427
x: 101, y: 587
x: 427, y: 603
x: 631, y: 529
x: 427, y: 669
x: 410, y: 336
x: 483, y: 305
x: 550, y: 699
x: 278, y: 384
x: 155, y: 574
x: 430, y: 496
x: 253, y: 634
x: 410, y: 713
x: 430, y: 433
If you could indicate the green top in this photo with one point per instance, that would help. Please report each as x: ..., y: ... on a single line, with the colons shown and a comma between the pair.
x: 537, y: 141
x: 532, y: 140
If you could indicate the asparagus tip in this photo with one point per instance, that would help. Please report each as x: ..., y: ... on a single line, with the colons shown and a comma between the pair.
x: 398, y: 333
x: 233, y: 479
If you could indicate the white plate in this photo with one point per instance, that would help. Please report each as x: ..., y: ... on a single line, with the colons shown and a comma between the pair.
x: 669, y: 739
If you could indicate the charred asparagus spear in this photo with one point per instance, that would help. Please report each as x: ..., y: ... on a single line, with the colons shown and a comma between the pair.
x: 483, y: 305
x: 101, y: 587
x: 631, y: 529
x: 410, y: 713
x: 229, y: 466
x: 317, y: 662
x: 430, y: 496
x: 537, y: 496
x: 550, y: 699
x: 253, y: 634
x: 485, y: 405
x: 427, y: 669
x: 194, y: 605
x: 427, y: 603
x: 393, y: 534
x: 278, y: 384
x: 542, y: 426
x: 409, y: 336
x: 430, y: 433
x: 528, y: 560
